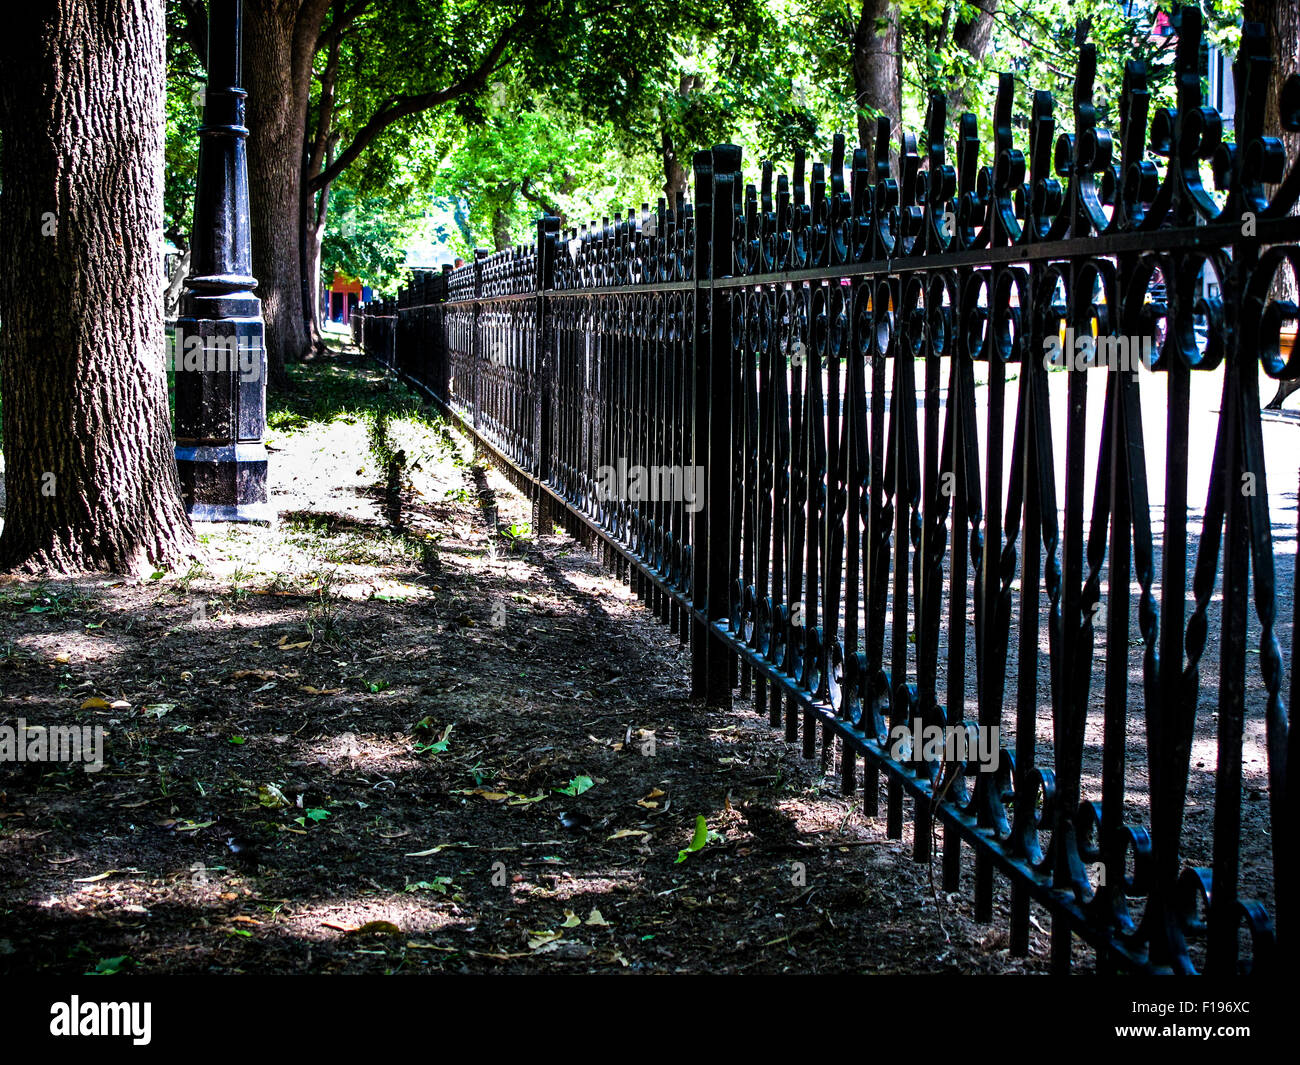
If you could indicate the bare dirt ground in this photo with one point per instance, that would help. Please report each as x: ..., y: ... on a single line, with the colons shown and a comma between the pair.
x: 405, y: 732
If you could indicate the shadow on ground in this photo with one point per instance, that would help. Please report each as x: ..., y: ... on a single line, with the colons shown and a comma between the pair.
x: 386, y: 736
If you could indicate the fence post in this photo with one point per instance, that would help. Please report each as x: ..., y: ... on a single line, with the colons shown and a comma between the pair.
x: 418, y: 369
x: 403, y: 301
x: 699, y: 361
x: 718, y: 498
x: 395, y: 315
x: 442, y: 370
x: 547, y: 229
x: 479, y: 255
x: 716, y: 175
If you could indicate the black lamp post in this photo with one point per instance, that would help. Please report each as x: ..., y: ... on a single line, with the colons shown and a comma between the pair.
x: 219, y: 353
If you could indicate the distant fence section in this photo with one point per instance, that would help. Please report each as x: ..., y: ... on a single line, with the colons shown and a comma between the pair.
x: 810, y: 421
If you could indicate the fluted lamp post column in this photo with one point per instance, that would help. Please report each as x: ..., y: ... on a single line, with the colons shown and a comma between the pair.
x: 219, y: 353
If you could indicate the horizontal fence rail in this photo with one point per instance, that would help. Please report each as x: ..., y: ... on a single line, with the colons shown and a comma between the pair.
x: 813, y: 422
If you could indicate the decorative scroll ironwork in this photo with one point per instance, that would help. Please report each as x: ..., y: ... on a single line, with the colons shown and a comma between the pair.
x: 885, y: 520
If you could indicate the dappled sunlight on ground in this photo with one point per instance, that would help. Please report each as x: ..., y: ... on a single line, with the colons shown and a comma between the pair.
x: 405, y: 731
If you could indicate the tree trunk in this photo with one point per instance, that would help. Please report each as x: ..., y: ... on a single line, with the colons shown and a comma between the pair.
x: 501, y: 238
x: 175, y: 285
x: 974, y: 36
x: 315, y: 238
x: 89, y: 465
x: 279, y: 43
x: 319, y: 152
x: 676, y: 174
x: 877, y: 71
x: 1282, y: 21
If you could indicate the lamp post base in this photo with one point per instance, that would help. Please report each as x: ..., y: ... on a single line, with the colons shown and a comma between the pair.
x: 225, y: 483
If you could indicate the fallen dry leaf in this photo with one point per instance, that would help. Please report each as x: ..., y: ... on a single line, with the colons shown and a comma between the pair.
x: 92, y: 879
x: 540, y: 939
x: 256, y: 674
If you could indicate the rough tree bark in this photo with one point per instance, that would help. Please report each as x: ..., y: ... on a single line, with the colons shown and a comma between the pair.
x: 877, y: 70
x: 89, y: 466
x: 280, y: 38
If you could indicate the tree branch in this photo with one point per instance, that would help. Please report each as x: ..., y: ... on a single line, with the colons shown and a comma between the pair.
x: 194, y: 27
x: 342, y: 19
x: 405, y: 106
x: 549, y: 206
x: 324, y: 112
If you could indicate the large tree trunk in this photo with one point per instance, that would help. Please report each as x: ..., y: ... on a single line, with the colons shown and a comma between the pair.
x: 89, y: 465
x: 877, y: 71
x: 279, y: 42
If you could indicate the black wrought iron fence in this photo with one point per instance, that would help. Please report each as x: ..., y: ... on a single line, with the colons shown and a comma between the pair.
x: 818, y: 424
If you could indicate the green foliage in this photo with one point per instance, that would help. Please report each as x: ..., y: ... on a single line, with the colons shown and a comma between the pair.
x: 109, y: 966
x: 183, y: 114
x: 577, y: 786
x: 438, y: 884
x: 527, y: 156
x: 699, y: 840
x: 438, y: 746
x: 366, y: 236
x: 181, y: 150
x: 587, y: 98
x: 583, y: 131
